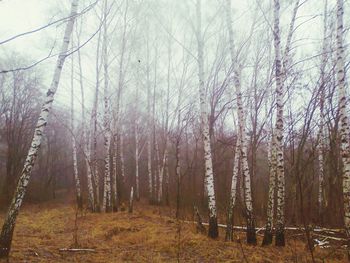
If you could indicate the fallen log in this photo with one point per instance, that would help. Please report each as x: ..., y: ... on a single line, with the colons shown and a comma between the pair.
x: 330, y: 237
x: 324, y: 230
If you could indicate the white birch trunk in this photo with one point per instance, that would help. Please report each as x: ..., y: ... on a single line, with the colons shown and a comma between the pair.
x: 137, y: 180
x: 137, y: 142
x: 209, y: 177
x: 122, y: 161
x: 321, y: 135
x: 280, y: 240
x: 107, y: 206
x: 272, y: 186
x: 10, y: 219
x: 149, y: 133
x: 166, y: 180
x: 344, y: 122
x: 85, y: 138
x: 118, y: 125
x: 233, y: 192
x: 160, y: 176
x: 251, y: 236
x: 93, y: 123
x: 131, y: 200
x: 74, y: 146
x: 114, y: 178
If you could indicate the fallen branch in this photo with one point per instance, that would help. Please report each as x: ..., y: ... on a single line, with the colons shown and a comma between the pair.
x: 77, y: 250
x: 330, y: 237
x: 325, y: 230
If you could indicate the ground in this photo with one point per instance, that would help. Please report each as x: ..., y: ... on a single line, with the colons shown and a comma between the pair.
x: 149, y: 234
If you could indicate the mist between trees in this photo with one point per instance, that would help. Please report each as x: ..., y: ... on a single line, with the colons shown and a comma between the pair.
x: 238, y: 109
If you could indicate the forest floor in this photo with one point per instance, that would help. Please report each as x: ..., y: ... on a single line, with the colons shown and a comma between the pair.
x: 149, y: 234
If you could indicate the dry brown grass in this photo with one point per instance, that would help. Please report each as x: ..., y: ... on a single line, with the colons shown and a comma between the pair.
x: 147, y: 235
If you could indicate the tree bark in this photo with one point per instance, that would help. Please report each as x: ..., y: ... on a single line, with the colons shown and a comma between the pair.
x: 131, y: 200
x: 149, y: 132
x: 107, y: 206
x: 344, y: 123
x: 10, y: 219
x: 251, y: 236
x: 233, y: 193
x: 86, y: 137
x: 272, y: 186
x: 280, y: 240
x: 74, y: 146
x: 321, y: 135
x: 209, y: 177
x: 93, y: 124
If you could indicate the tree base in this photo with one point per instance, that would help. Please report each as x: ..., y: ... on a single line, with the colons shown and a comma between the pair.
x: 108, y: 209
x: 267, y: 238
x: 280, y: 241
x: 80, y: 202
x: 5, y: 245
x: 98, y: 209
x: 229, y: 227
x: 229, y: 233
x: 4, y: 252
x: 213, y: 231
x: 251, y: 236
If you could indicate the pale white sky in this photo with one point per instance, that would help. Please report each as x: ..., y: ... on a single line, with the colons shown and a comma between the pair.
x: 17, y: 16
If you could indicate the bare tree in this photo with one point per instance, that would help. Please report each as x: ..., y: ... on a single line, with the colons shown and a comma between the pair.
x: 343, y: 116
x: 209, y: 177
x: 74, y: 145
x: 106, y: 205
x: 10, y: 219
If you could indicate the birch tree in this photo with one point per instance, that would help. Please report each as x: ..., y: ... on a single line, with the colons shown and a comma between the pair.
x: 85, y: 133
x: 233, y: 193
x: 242, y: 141
x: 280, y: 241
x: 164, y: 164
x: 272, y: 186
x: 149, y: 130
x: 10, y: 219
x: 107, y: 205
x: 321, y: 133
x: 343, y: 116
x: 137, y: 140
x: 209, y: 177
x: 74, y: 146
x: 93, y: 124
x: 276, y: 161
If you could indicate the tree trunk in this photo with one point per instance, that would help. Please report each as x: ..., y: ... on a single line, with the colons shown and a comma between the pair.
x: 74, y: 146
x: 233, y: 192
x: 321, y: 135
x: 344, y: 124
x: 85, y: 137
x: 280, y: 241
x: 114, y: 178
x: 149, y: 132
x: 10, y: 219
x: 122, y: 162
x: 272, y: 186
x: 93, y: 124
x: 131, y: 200
x: 251, y: 236
x: 136, y: 125
x: 209, y: 177
x: 107, y: 206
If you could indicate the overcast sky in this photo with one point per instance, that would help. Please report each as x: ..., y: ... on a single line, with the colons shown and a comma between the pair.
x: 17, y: 16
